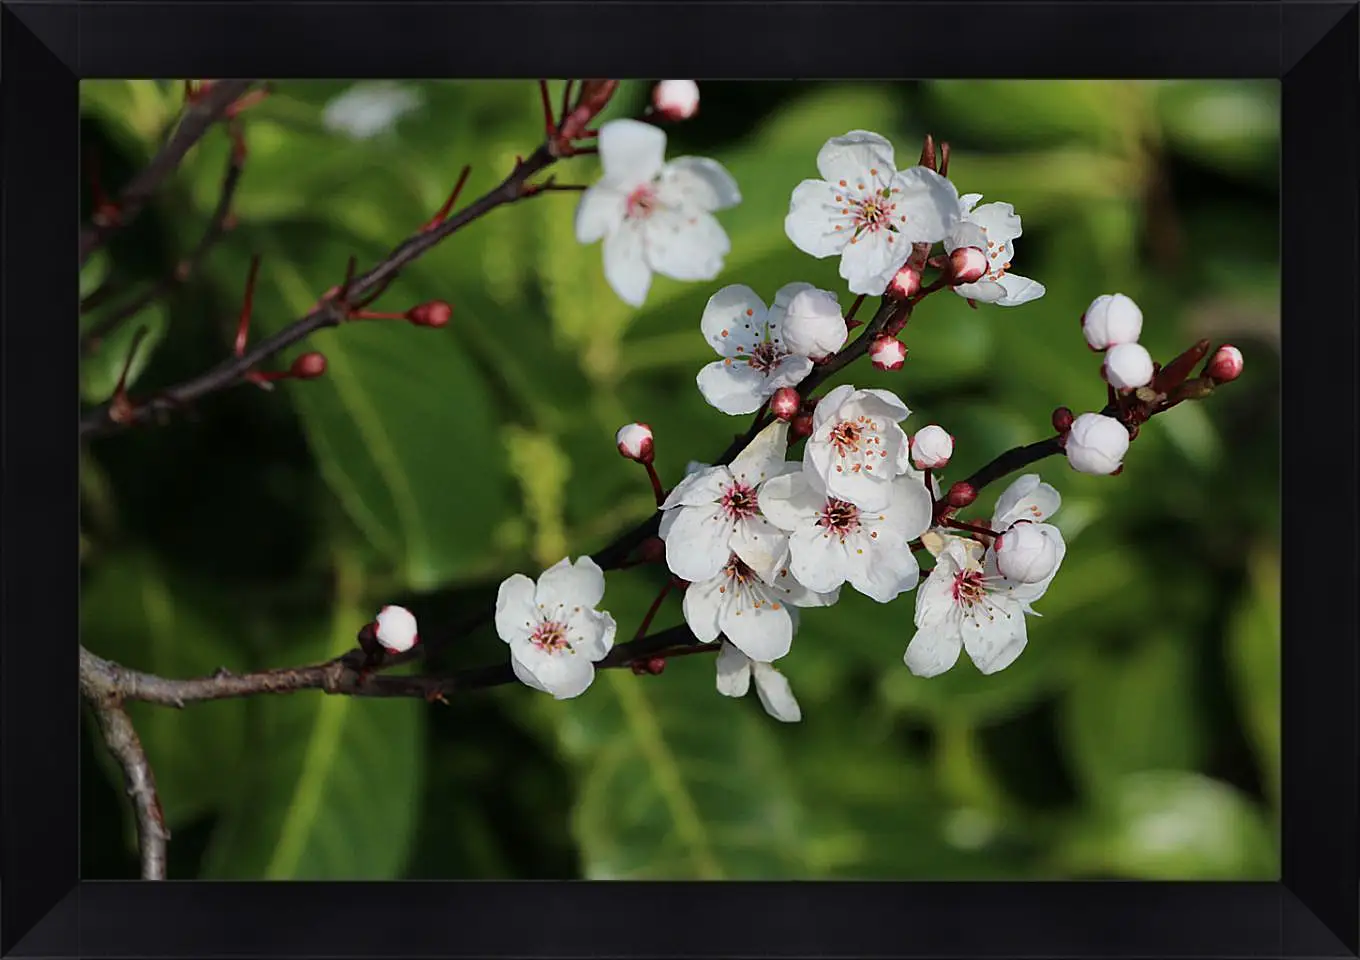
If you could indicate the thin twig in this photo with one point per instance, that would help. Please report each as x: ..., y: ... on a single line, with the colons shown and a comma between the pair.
x: 106, y: 700
x: 197, y: 119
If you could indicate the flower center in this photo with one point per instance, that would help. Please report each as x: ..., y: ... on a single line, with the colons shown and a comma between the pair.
x: 738, y: 502
x: 969, y: 587
x: 550, y: 636
x: 738, y: 572
x: 858, y: 440
x: 764, y: 356
x: 839, y: 518
x: 641, y: 202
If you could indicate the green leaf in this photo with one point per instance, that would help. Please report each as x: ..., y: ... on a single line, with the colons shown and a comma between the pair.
x: 102, y: 366
x: 332, y: 786
x: 1172, y: 826
x: 1253, y: 654
x: 1135, y: 712
x: 136, y: 614
x: 401, y: 423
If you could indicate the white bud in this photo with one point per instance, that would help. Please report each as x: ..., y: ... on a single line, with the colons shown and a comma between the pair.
x: 1096, y: 444
x: 1111, y: 319
x: 931, y: 447
x: 396, y: 629
x: 676, y: 99
x: 635, y: 442
x: 1027, y: 552
x: 887, y: 352
x: 813, y: 325
x: 1128, y: 366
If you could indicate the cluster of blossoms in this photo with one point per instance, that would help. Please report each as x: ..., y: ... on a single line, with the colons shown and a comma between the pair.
x: 754, y: 539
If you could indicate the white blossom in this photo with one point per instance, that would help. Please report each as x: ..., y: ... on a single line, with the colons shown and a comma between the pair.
x: 750, y: 611
x: 735, y: 671
x: 396, y: 629
x: 554, y: 632
x: 715, y: 512
x: 1111, y: 319
x: 993, y: 228
x: 832, y: 541
x: 857, y: 446
x: 867, y: 212
x: 813, y: 325
x: 366, y: 110
x: 1096, y: 444
x: 931, y: 447
x: 654, y: 216
x: 751, y: 340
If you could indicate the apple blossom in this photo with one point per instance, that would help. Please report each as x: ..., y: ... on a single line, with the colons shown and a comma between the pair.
x: 1127, y: 366
x: 635, y: 442
x: 1096, y: 443
x: 857, y: 446
x: 752, y: 341
x: 654, y: 216
x: 715, y: 513
x: 993, y: 229
x: 366, y: 110
x: 735, y: 671
x: 832, y: 541
x: 751, y: 611
x: 1110, y: 320
x: 1225, y: 365
x: 676, y: 99
x: 554, y: 632
x: 395, y: 629
x: 813, y: 325
x: 965, y: 604
x: 887, y: 352
x: 931, y: 447
x: 867, y: 212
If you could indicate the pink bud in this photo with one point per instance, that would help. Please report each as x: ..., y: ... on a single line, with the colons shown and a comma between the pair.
x: 887, y: 353
x: 906, y: 283
x: 396, y: 629
x: 436, y: 313
x: 785, y: 403
x: 931, y: 447
x: 309, y: 366
x: 967, y: 264
x: 635, y: 442
x: 1062, y: 419
x: 961, y: 494
x: 801, y: 426
x: 1225, y: 365
x: 676, y: 99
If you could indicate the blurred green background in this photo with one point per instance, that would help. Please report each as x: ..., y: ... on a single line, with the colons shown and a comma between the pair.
x: 1138, y: 736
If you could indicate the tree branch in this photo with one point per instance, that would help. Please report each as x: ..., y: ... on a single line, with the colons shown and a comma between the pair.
x: 106, y: 700
x: 197, y: 119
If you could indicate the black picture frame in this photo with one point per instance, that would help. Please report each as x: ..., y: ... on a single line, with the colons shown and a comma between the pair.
x: 47, y: 47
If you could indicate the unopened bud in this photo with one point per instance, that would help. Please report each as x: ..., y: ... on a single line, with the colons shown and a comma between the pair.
x: 1110, y: 320
x: 905, y: 284
x: 635, y: 442
x: 1096, y: 444
x: 656, y: 665
x: 961, y: 494
x: 813, y: 326
x: 309, y: 366
x: 928, y: 152
x: 967, y: 265
x: 800, y: 426
x: 1225, y: 365
x: 652, y: 550
x: 887, y: 353
x: 395, y: 629
x: 676, y: 99
x: 1026, y: 553
x: 931, y: 447
x: 436, y: 313
x: 1127, y: 366
x: 1062, y: 419
x: 785, y: 403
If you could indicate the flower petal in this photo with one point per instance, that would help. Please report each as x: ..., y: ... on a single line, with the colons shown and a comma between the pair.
x: 998, y: 220
x: 869, y: 263
x: 818, y: 560
x: 571, y: 585
x: 733, y: 317
x: 935, y: 602
x: 775, y: 694
x: 703, y: 605
x: 697, y: 182
x: 524, y: 674
x: 789, y: 502
x: 984, y: 291
x: 933, y: 651
x: 994, y: 643
x: 697, y: 543
x: 930, y: 203
x: 516, y: 611
x: 1019, y: 290
x: 911, y: 511
x: 789, y: 372
x: 735, y: 388
x: 562, y: 674
x: 703, y: 486
x: 761, y: 546
x: 625, y: 265
x: 600, y: 211
x: 685, y: 245
x: 853, y: 155
x: 591, y: 632
x: 763, y: 455
x: 812, y: 219
x: 631, y: 152
x: 734, y: 671
x: 763, y: 633
x: 1027, y: 498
